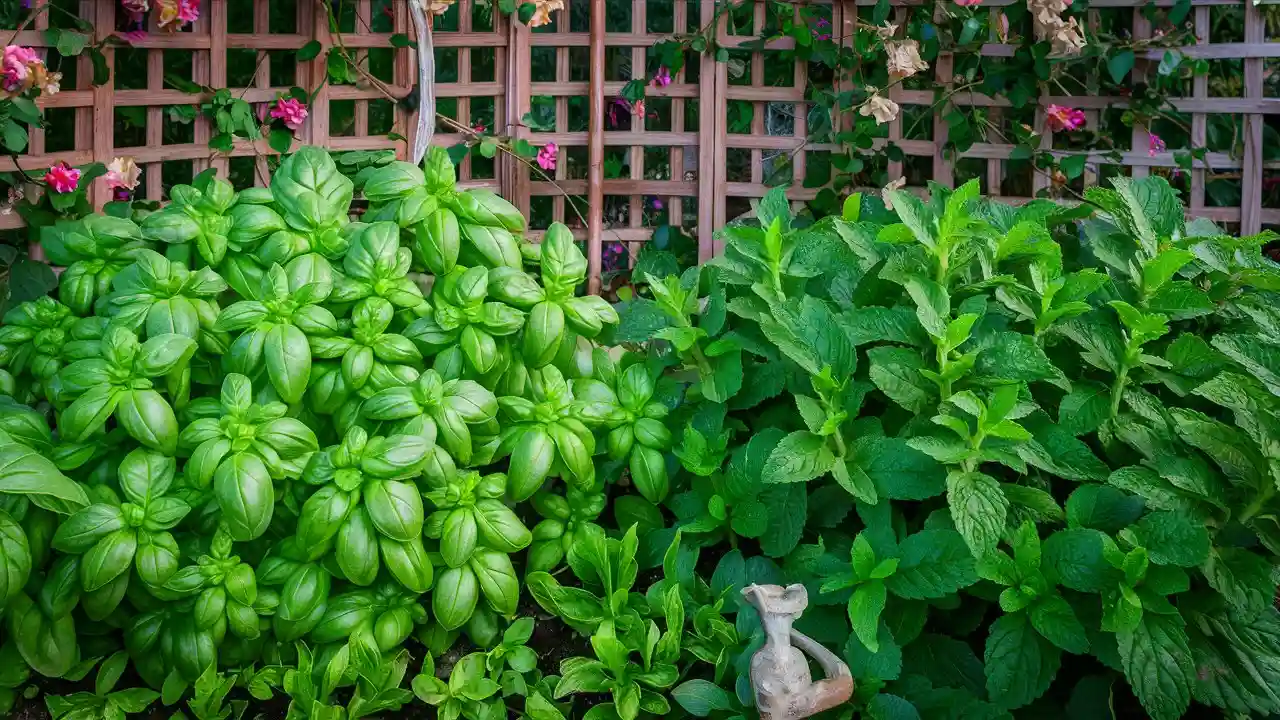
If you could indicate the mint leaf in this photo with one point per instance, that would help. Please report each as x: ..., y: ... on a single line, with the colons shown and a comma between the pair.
x: 1054, y: 619
x: 799, y: 457
x: 1102, y: 507
x: 1244, y: 578
x: 865, y: 606
x: 788, y: 507
x: 1174, y: 539
x: 1157, y: 660
x: 1074, y: 559
x: 1019, y: 664
x: 896, y: 372
x: 934, y: 564
x: 978, y: 508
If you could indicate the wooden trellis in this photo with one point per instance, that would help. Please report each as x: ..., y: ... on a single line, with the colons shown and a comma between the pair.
x: 561, y: 83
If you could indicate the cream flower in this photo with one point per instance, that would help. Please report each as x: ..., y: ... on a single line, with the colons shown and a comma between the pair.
x: 887, y: 30
x: 542, y: 10
x: 904, y: 58
x: 895, y: 185
x: 124, y: 173
x: 880, y: 107
x: 439, y: 7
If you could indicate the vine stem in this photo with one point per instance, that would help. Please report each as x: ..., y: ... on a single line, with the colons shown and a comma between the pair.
x: 383, y: 88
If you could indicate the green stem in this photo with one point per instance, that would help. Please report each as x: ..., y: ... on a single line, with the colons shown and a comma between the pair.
x: 943, y: 362
x: 1117, y: 389
x: 841, y: 449
x: 1265, y: 494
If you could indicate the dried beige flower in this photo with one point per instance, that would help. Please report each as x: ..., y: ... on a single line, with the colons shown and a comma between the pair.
x: 904, y: 58
x: 439, y: 7
x: 542, y: 10
x: 887, y: 30
x: 880, y: 107
x: 895, y: 185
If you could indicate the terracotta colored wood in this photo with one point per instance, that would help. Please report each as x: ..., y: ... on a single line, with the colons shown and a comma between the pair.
x: 1251, y: 175
x: 595, y: 148
x: 103, y: 104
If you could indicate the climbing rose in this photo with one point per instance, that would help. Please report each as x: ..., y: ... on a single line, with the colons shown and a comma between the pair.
x: 1155, y: 145
x: 904, y: 58
x: 62, y: 178
x: 542, y: 10
x: 439, y: 7
x: 1060, y: 117
x: 188, y: 10
x: 895, y: 185
x: 16, y: 69
x: 123, y: 174
x: 547, y: 156
x: 881, y: 108
x: 291, y: 111
x: 135, y: 7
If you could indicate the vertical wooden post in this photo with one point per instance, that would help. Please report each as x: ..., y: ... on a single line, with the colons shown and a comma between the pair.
x: 262, y: 79
x: 519, y: 101
x: 104, y: 101
x: 1199, y: 120
x: 709, y: 112
x: 316, y: 12
x: 595, y: 149
x: 1141, y: 134
x: 1251, y: 182
x: 218, y: 65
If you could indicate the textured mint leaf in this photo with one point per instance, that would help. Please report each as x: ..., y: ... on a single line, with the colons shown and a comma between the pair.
x: 891, y: 707
x: 788, y: 506
x: 639, y: 320
x: 1084, y: 408
x: 1181, y: 300
x: 933, y: 304
x: 896, y: 372
x: 1054, y: 619
x: 1157, y: 661
x: 1102, y: 507
x: 883, y: 664
x: 1237, y: 661
x: 799, y: 457
x: 1259, y: 358
x: 866, y: 325
x: 946, y: 662
x: 1174, y: 539
x: 899, y: 471
x: 725, y: 379
x: 1074, y: 559
x: 933, y: 564
x: 1244, y: 579
x: 1019, y: 663
x: 1225, y: 445
x: 1146, y: 483
x: 978, y: 509
x: 865, y: 605
x: 761, y: 381
x: 1013, y: 357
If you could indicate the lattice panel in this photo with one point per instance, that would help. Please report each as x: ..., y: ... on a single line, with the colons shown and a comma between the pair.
x: 719, y: 135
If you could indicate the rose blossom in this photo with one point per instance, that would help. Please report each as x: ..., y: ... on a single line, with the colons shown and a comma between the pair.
x: 1155, y: 145
x: 904, y: 58
x: 542, y: 10
x: 881, y: 108
x: 895, y: 185
x: 547, y: 156
x: 291, y: 111
x: 188, y: 10
x: 968, y: 3
x: 1060, y: 117
x: 123, y: 174
x: 62, y: 178
x: 16, y: 68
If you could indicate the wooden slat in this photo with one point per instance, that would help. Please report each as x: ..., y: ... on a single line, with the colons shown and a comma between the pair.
x: 595, y: 148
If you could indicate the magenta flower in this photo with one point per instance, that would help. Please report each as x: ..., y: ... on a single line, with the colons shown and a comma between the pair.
x: 62, y: 178
x: 188, y: 10
x: 662, y: 78
x: 1155, y: 145
x: 291, y: 111
x: 133, y: 36
x: 16, y: 67
x: 1060, y: 117
x: 547, y: 156
x: 968, y: 3
x: 657, y: 203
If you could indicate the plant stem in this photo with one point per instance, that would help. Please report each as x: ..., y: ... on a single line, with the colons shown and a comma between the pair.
x: 1117, y: 389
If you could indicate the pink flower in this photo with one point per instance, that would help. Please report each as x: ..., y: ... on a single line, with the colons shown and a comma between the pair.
x: 1060, y: 117
x: 62, y: 178
x: 547, y: 156
x: 15, y: 67
x: 291, y: 111
x: 662, y: 78
x: 968, y: 3
x: 638, y: 108
x: 123, y: 174
x: 1155, y: 145
x: 135, y: 7
x: 478, y: 127
x: 188, y: 10
x: 657, y: 203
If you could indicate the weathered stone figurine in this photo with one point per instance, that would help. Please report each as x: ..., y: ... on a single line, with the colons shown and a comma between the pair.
x: 780, y: 676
